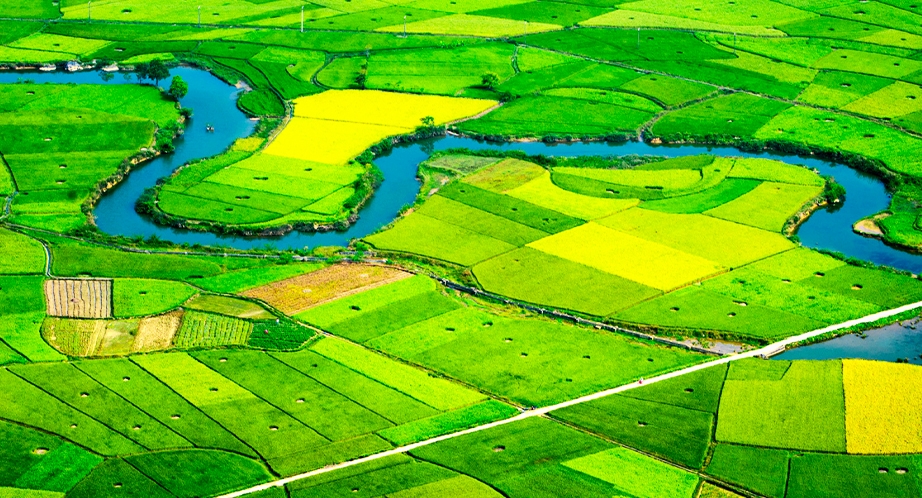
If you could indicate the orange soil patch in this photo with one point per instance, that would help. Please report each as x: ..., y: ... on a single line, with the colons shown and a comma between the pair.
x: 300, y: 293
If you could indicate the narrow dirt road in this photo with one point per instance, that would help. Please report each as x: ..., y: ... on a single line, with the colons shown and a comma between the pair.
x: 767, y: 350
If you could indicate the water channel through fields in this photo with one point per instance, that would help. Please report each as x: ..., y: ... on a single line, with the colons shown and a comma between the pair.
x: 214, y: 102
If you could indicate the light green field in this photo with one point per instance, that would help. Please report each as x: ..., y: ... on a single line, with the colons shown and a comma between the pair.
x: 769, y: 206
x: 543, y: 192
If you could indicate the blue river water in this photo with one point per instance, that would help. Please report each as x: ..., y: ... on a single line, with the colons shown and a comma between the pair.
x: 214, y: 102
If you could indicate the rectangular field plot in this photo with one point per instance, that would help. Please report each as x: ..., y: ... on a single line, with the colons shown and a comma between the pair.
x: 542, y: 191
x: 695, y: 308
x: 762, y: 470
x: 420, y: 234
x: 482, y: 222
x: 79, y: 298
x: 364, y: 326
x: 882, y: 288
x: 209, y: 330
x: 532, y: 361
x: 330, y: 142
x: 827, y: 476
x: 804, y: 410
x: 736, y: 115
x: 300, y: 293
x: 512, y: 208
x: 642, y: 261
x: 351, y: 305
x: 533, y: 276
x: 728, y: 244
x: 637, y: 474
x: 678, y: 434
x: 768, y: 206
x: 880, y: 407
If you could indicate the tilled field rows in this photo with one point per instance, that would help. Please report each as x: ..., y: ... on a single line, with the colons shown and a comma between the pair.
x: 79, y: 298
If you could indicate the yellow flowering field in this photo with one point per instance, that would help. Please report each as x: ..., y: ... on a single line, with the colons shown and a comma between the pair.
x: 329, y: 142
x: 403, y: 110
x: 335, y: 126
x: 882, y: 407
x: 648, y: 263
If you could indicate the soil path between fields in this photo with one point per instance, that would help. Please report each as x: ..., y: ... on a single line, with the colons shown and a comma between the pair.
x: 538, y: 412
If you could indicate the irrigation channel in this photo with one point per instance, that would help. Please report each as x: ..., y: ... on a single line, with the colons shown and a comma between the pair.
x: 214, y: 102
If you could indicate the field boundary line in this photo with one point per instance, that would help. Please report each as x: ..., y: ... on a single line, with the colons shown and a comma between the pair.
x: 538, y: 412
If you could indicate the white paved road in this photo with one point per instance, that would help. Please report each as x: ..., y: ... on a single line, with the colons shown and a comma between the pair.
x: 771, y: 348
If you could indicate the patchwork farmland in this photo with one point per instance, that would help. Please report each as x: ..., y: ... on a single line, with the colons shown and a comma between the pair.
x: 505, y: 248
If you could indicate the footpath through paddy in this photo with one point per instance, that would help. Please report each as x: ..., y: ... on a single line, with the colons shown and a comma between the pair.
x: 538, y: 412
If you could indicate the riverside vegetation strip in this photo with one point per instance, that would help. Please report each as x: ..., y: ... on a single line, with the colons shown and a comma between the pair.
x: 172, y: 374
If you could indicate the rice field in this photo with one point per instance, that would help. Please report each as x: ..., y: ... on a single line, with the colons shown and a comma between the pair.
x: 206, y: 329
x: 880, y: 412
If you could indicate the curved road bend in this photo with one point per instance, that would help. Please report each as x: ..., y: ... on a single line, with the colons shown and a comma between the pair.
x: 767, y: 350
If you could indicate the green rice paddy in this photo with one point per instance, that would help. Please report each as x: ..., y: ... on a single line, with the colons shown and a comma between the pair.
x: 188, y: 385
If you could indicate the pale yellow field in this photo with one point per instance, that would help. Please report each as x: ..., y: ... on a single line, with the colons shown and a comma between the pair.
x: 403, y: 110
x: 636, y: 259
x: 882, y: 407
x: 79, y: 298
x: 156, y: 333
x: 542, y: 192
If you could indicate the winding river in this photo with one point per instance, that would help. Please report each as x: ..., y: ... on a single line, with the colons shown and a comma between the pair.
x: 214, y: 102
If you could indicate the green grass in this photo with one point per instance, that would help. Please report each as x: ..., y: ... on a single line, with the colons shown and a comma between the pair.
x: 696, y: 391
x: 804, y: 410
x: 438, y: 393
x: 21, y: 294
x: 677, y: 434
x: 774, y: 171
x: 427, y: 428
x: 762, y: 470
x: 498, y: 457
x: 223, y: 305
x: 882, y: 288
x: 822, y: 475
x: 420, y: 234
x: 559, y: 117
x: 391, y: 404
x: 624, y: 45
x: 732, y: 115
x: 101, y: 482
x: 532, y: 361
x: 537, y: 277
x: 193, y: 473
x: 24, y: 255
x: 670, y: 91
x: 248, y: 417
x: 163, y: 404
x: 209, y: 330
x: 724, y: 192
x: 800, y: 298
x: 22, y: 400
x: 387, y: 478
x: 22, y: 333
x: 768, y: 206
x: 282, y: 386
x: 367, y: 326
x: 142, y: 297
x: 67, y: 383
x: 437, y: 71
x: 637, y: 474
x: 261, y: 102
x: 346, y: 308
x: 517, y: 210
x: 342, y: 72
x: 698, y: 309
x: 59, y: 470
x: 797, y: 264
x: 482, y: 222
x: 20, y: 455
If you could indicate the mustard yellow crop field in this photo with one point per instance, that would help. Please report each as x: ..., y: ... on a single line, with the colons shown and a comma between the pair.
x: 882, y: 407
x: 335, y: 126
x: 402, y: 110
x: 642, y: 261
x: 329, y: 142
